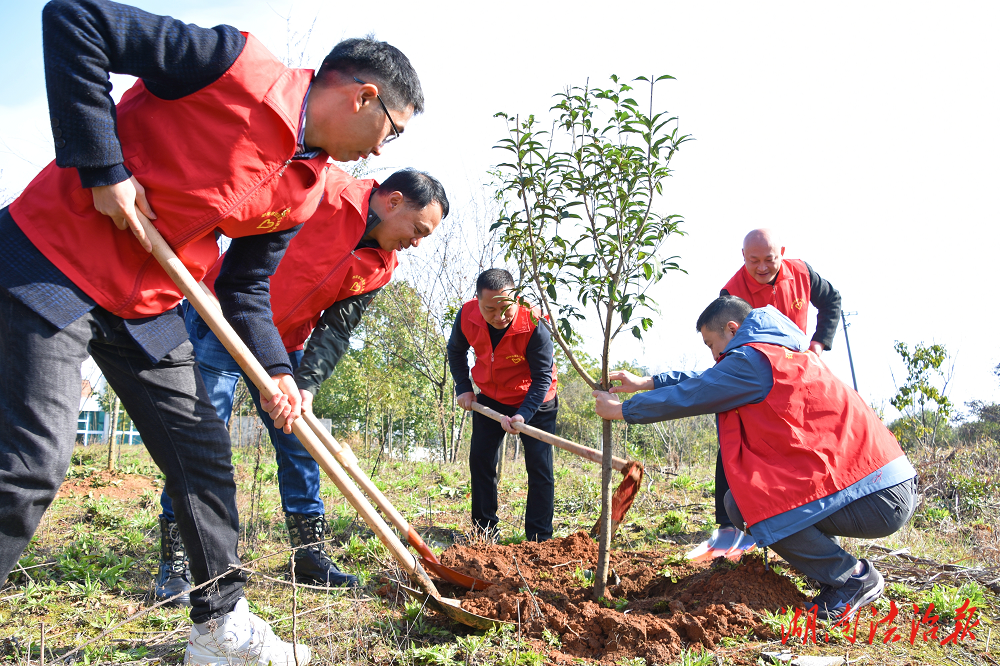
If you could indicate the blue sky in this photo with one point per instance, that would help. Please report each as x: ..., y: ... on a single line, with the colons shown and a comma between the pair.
x: 865, y: 132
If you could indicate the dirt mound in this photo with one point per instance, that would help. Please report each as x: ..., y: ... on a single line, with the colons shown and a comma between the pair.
x: 657, y: 606
x: 114, y: 485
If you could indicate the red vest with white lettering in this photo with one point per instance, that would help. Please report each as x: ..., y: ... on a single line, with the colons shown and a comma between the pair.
x: 219, y: 158
x: 790, y: 292
x: 812, y: 436
x: 319, y: 267
x: 503, y: 373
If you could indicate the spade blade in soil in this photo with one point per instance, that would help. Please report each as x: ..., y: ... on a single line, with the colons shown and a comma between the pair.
x: 454, y: 577
x: 453, y: 609
x: 624, y: 495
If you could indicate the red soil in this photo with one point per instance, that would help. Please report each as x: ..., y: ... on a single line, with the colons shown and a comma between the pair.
x: 670, y: 605
x: 114, y: 485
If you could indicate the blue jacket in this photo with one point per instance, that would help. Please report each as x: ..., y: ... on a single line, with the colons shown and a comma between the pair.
x: 743, y: 377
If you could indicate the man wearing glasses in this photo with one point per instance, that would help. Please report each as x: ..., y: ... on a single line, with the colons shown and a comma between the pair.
x: 321, y: 289
x: 216, y: 136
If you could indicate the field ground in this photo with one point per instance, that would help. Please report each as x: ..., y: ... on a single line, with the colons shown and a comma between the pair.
x: 85, y: 583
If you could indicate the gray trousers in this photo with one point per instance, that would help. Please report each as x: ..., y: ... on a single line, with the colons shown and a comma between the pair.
x: 39, y: 405
x: 816, y: 552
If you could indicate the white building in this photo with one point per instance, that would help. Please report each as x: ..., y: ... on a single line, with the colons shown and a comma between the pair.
x: 94, y: 423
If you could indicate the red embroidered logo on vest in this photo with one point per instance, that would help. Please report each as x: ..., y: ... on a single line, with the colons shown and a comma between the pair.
x: 272, y: 219
x: 515, y: 358
x: 798, y: 303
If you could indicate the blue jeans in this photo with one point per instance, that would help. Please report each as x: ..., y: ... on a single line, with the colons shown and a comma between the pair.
x: 298, y: 473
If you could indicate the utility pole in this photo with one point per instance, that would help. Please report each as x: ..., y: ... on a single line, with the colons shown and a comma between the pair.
x: 850, y: 359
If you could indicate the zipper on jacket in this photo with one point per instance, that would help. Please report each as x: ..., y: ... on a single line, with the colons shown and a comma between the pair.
x: 181, y: 240
x: 282, y: 172
x: 315, y: 289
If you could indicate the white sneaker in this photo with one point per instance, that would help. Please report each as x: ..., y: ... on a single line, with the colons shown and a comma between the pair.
x: 240, y: 638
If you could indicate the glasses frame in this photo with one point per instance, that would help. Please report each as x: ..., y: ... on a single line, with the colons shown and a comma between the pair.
x: 386, y: 109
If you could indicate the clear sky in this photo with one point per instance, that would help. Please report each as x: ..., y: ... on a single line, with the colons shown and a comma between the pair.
x: 866, y: 133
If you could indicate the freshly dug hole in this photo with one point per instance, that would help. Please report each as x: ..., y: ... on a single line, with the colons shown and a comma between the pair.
x: 707, y: 602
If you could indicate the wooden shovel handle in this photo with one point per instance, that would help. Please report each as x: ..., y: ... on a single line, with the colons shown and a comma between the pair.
x: 208, y: 308
x: 554, y: 440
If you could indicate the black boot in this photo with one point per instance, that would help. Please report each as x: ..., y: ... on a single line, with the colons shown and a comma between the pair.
x: 174, y: 576
x: 312, y: 565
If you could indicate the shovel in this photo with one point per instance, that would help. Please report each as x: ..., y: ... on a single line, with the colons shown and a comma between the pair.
x: 210, y: 312
x: 349, y: 462
x: 622, y: 499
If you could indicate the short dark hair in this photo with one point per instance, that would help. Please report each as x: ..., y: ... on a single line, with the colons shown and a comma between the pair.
x: 379, y: 63
x: 494, y: 279
x: 722, y: 310
x: 418, y: 188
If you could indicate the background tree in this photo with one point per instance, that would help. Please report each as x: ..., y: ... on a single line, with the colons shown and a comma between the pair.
x: 983, y: 421
x: 111, y: 404
x: 924, y: 406
x: 581, y: 223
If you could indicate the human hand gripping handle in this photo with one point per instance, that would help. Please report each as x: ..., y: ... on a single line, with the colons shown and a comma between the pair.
x: 123, y: 202
x: 507, y: 423
x: 286, y: 406
x: 307, y: 401
x: 465, y: 400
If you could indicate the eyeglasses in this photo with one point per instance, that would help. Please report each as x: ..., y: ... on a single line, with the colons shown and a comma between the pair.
x: 386, y: 109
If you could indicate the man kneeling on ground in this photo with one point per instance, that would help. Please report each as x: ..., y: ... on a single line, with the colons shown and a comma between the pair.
x: 808, y: 461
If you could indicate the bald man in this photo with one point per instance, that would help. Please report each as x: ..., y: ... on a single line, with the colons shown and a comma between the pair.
x: 790, y: 285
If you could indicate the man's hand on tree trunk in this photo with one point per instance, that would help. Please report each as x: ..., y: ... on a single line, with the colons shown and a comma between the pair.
x: 608, y: 406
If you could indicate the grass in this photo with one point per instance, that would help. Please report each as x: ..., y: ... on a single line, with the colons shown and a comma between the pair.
x: 91, y: 564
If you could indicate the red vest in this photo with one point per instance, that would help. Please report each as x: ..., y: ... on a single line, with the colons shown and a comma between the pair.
x: 216, y: 159
x: 810, y: 437
x: 319, y: 267
x: 503, y: 373
x: 790, y: 292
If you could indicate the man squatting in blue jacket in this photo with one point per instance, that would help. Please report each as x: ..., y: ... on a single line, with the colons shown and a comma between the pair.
x: 807, y: 459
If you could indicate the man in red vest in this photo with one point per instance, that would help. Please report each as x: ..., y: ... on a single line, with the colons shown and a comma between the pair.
x: 808, y: 459
x: 516, y: 375
x: 790, y: 285
x: 321, y: 289
x: 217, y: 135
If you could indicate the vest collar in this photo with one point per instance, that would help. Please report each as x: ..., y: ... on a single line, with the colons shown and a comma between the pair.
x: 755, y: 287
x: 287, y: 96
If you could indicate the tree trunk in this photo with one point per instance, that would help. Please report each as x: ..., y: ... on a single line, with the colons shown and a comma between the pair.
x: 458, y: 437
x: 388, y: 436
x: 503, y: 454
x: 111, y: 437
x: 367, y: 413
x: 604, y: 540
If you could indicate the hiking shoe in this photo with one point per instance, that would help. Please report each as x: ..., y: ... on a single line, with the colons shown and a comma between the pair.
x: 312, y: 564
x: 173, y: 576
x: 240, y: 637
x: 314, y: 567
x: 727, y: 541
x: 840, y: 603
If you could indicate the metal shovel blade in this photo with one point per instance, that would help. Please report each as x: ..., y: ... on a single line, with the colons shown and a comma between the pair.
x: 453, y: 609
x: 454, y: 577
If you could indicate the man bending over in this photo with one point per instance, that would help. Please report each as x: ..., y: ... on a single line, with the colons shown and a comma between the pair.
x: 807, y: 459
